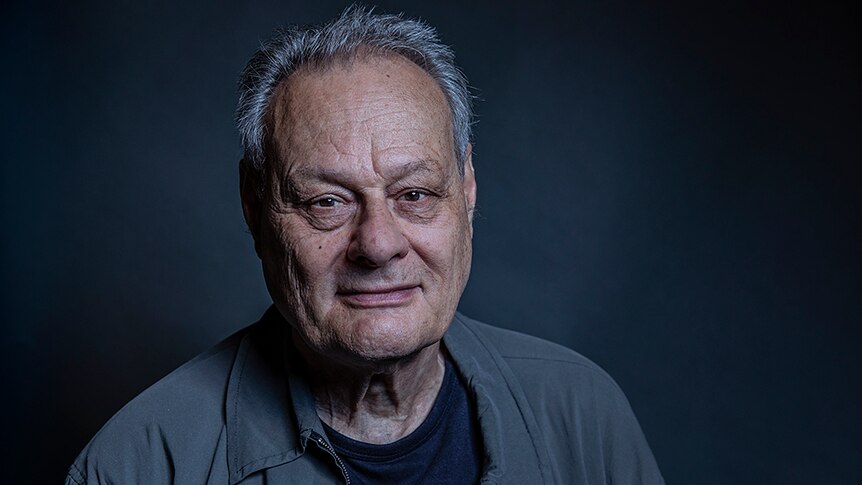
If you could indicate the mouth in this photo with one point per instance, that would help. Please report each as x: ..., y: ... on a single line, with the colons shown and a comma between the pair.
x: 378, y: 297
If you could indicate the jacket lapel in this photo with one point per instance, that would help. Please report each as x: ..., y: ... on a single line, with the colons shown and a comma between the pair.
x: 513, y: 443
x: 261, y: 431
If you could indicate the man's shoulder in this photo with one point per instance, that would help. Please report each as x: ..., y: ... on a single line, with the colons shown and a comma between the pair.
x: 571, y: 404
x: 552, y: 371
x: 195, y: 386
x: 182, y: 412
x: 525, y: 350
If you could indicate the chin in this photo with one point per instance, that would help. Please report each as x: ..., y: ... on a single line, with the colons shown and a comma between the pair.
x: 387, y: 338
x: 384, y: 357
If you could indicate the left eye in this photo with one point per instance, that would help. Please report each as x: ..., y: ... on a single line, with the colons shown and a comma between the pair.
x: 413, y: 195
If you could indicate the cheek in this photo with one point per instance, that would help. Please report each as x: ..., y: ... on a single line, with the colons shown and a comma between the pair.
x: 445, y: 247
x: 304, y: 256
x: 279, y: 262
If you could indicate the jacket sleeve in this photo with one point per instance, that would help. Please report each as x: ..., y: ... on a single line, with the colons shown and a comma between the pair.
x: 628, y: 458
x: 124, y: 455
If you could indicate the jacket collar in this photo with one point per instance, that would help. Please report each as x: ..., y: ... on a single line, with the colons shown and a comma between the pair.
x: 270, y: 413
x: 512, y: 438
x: 262, y: 423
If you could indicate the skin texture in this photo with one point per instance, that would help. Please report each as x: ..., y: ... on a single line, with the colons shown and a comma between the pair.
x: 364, y: 232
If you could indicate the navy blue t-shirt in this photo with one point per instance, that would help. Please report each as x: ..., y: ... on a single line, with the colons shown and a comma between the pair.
x: 445, y: 448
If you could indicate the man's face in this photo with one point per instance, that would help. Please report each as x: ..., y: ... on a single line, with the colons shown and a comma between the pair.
x: 365, y: 226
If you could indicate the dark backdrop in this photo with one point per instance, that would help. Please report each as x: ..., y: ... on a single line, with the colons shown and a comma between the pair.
x: 671, y: 189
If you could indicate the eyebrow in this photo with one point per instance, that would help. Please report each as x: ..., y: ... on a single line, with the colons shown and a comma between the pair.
x: 315, y: 173
x: 411, y: 168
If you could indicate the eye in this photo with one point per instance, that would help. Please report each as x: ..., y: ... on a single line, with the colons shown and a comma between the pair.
x: 326, y: 202
x: 413, y: 195
x: 328, y: 211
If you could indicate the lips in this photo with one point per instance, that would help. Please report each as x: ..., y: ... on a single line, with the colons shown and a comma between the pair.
x: 379, y: 297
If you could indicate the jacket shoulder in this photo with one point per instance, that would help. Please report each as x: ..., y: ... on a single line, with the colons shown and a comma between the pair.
x: 522, y: 350
x: 168, y: 428
x: 570, y: 396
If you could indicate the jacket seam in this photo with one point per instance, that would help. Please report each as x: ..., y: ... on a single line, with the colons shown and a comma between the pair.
x: 597, y: 372
x: 546, y: 359
x: 78, y: 471
x: 241, y: 470
x: 234, y: 418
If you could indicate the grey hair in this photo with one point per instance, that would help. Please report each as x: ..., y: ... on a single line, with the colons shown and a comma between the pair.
x: 357, y: 30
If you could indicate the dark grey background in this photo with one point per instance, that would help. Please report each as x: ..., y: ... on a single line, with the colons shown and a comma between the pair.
x: 671, y: 189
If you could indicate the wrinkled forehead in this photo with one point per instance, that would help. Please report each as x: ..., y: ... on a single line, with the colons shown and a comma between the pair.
x: 371, y: 105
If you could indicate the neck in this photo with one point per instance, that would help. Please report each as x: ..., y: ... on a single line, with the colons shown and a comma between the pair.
x: 377, y: 403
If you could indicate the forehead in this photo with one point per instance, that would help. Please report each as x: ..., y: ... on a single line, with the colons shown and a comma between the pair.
x: 374, y: 109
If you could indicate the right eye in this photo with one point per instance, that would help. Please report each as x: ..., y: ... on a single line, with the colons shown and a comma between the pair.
x: 326, y: 202
x: 327, y: 211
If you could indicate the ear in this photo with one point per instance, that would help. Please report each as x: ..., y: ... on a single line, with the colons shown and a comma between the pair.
x: 249, y: 192
x: 469, y: 183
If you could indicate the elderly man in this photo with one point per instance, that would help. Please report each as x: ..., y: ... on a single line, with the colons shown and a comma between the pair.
x: 358, y: 187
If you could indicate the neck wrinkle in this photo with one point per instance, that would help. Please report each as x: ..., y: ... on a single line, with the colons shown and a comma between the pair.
x: 378, y: 404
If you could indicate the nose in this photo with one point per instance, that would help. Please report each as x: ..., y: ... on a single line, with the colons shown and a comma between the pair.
x: 377, y: 237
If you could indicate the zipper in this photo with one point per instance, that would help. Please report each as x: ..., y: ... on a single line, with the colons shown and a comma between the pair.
x: 328, y: 448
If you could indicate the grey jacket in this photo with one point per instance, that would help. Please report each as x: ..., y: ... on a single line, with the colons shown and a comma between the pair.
x: 239, y: 413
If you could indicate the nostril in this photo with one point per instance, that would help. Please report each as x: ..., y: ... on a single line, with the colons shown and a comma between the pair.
x: 377, y: 239
x: 375, y: 250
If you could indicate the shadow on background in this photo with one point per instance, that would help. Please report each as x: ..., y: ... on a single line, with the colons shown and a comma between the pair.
x: 671, y: 190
